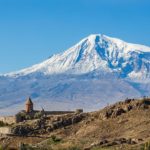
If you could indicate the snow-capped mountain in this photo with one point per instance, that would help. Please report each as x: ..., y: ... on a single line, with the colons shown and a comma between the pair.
x: 96, y: 71
x: 97, y: 52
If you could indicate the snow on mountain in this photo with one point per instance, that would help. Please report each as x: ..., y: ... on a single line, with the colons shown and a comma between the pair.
x: 96, y: 71
x: 97, y: 52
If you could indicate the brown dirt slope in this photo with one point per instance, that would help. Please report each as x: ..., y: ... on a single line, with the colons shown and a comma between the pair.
x: 124, y: 125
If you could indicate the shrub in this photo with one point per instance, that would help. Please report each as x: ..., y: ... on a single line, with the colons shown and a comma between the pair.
x: 55, y: 139
x: 2, y: 124
x: 1, y: 147
x: 28, y: 117
x: 146, y: 146
x: 37, y: 115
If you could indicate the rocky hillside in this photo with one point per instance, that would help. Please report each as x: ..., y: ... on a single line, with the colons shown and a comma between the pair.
x: 124, y: 125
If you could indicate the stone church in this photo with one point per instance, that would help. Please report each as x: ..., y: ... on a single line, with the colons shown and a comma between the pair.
x: 29, y: 113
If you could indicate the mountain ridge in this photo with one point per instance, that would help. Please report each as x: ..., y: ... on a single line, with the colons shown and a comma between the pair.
x: 96, y: 52
x: 94, y: 72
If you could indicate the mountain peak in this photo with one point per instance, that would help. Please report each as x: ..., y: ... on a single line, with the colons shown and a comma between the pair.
x: 97, y: 52
x: 118, y: 42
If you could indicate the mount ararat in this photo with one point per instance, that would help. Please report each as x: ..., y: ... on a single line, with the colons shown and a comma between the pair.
x: 93, y: 73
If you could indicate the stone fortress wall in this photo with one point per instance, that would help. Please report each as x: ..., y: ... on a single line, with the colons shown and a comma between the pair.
x: 12, y: 119
x: 62, y: 112
x: 29, y: 111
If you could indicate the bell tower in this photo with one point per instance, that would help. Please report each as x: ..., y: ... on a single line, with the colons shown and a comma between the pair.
x: 29, y: 105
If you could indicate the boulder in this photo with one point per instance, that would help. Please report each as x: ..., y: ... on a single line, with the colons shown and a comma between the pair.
x: 21, y: 130
x: 118, y: 112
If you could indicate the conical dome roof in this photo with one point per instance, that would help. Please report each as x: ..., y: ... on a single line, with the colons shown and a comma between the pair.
x: 29, y: 101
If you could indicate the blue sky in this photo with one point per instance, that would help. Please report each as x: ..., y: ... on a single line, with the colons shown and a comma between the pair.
x: 32, y: 30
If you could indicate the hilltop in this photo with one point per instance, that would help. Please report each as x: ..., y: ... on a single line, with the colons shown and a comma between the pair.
x: 124, y: 125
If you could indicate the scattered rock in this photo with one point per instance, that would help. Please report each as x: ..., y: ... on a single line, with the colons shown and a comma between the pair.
x: 109, y: 113
x: 127, y: 101
x: 118, y: 112
x: 49, y: 129
x: 119, y: 141
x: 128, y: 108
x: 124, y: 107
x: 21, y: 130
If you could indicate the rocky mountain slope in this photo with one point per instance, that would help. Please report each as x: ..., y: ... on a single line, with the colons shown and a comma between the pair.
x: 97, y: 52
x: 96, y: 71
x: 124, y: 125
